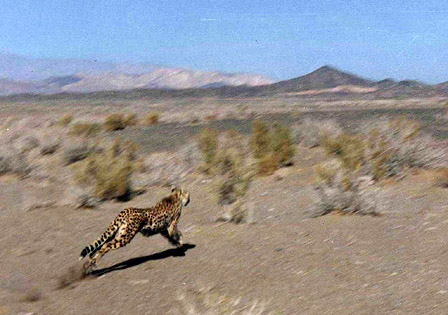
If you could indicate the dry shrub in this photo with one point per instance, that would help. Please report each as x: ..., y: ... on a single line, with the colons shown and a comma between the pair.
x: 165, y: 168
x: 75, y: 151
x: 210, y: 117
x: 49, y: 144
x: 348, y: 148
x: 442, y: 178
x: 66, y: 120
x: 208, y: 144
x: 272, y: 147
x: 282, y: 145
x: 260, y: 139
x: 85, y: 129
x: 26, y: 143
x: 130, y: 120
x: 262, y: 149
x: 399, y: 143
x: 151, y: 118
x: 114, y: 122
x: 109, y: 171
x: 234, y: 174
x: 311, y: 132
x: 233, y: 169
x: 384, y: 149
x: 13, y: 162
x: 339, y: 190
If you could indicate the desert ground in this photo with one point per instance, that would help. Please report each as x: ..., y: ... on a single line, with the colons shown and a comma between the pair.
x: 280, y: 259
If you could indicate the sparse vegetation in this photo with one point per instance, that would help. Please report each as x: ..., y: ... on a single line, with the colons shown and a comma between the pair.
x: 233, y: 169
x: 282, y: 145
x: 13, y: 162
x: 338, y: 190
x: 131, y: 120
x: 210, y: 117
x: 85, y: 129
x: 49, y: 144
x: 271, y: 148
x: 311, y: 132
x: 26, y: 143
x: 380, y: 151
x: 66, y: 120
x: 109, y: 171
x: 261, y: 148
x: 442, y: 178
x: 114, y: 122
x: 151, y: 118
x: 208, y: 144
x: 77, y: 151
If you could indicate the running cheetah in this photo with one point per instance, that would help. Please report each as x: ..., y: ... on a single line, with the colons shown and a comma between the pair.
x: 161, y: 218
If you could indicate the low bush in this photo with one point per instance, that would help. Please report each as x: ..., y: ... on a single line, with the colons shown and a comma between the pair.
x: 76, y: 151
x: 114, y: 122
x: 66, y: 120
x: 311, y: 132
x: 234, y: 169
x: 338, y: 190
x: 85, y: 129
x: 272, y: 148
x: 208, y: 144
x: 442, y: 178
x: 384, y: 149
x: 13, y: 162
x: 282, y: 145
x: 260, y: 139
x: 109, y: 171
x: 151, y: 118
x: 130, y: 120
x: 49, y: 144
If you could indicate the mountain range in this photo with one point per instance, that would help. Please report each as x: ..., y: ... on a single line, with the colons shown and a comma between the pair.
x: 47, y: 76
x: 22, y: 75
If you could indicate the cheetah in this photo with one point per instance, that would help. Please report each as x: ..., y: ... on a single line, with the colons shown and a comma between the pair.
x: 159, y: 219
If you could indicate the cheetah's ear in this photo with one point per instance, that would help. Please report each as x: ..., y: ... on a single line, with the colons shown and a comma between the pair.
x: 173, y: 188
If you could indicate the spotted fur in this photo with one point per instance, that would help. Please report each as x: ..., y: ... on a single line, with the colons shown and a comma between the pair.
x: 159, y: 219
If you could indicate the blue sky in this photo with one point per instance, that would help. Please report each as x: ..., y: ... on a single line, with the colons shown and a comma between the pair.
x: 281, y: 39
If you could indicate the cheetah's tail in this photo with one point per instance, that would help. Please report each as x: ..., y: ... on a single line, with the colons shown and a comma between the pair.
x: 110, y: 232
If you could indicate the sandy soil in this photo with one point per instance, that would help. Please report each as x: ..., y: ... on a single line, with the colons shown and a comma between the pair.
x: 285, y: 263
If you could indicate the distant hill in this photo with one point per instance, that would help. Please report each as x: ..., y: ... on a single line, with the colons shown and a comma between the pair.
x: 325, y: 82
x: 325, y: 77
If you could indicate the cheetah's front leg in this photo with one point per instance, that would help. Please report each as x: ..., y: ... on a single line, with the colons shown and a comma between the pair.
x: 173, y: 235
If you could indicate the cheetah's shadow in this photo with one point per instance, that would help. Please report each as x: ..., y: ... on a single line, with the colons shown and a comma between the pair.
x: 173, y: 252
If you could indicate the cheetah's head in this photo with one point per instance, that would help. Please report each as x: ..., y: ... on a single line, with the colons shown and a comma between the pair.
x: 182, y: 194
